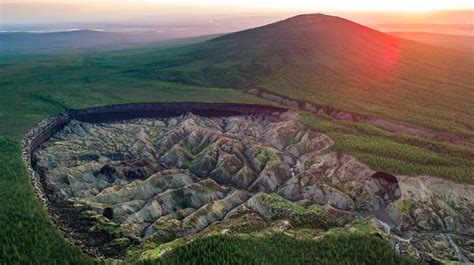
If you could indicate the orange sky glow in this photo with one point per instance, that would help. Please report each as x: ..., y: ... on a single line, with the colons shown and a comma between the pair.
x: 64, y: 10
x: 365, y: 5
x: 297, y: 5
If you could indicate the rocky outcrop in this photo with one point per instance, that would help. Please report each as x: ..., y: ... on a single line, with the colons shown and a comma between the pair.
x: 302, y: 213
x: 436, y: 220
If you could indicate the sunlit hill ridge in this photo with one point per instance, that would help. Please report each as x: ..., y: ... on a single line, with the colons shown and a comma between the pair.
x: 330, y: 61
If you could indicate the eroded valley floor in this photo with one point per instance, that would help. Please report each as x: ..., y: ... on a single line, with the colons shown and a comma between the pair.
x: 156, y: 180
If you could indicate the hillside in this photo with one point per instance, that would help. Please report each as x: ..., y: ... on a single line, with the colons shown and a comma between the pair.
x: 456, y: 42
x: 332, y: 62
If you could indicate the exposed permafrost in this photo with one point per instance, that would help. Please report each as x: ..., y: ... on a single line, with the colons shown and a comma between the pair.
x: 175, y: 177
x: 460, y: 256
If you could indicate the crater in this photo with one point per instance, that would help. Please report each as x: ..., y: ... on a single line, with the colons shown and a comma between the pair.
x: 117, y: 176
x: 171, y: 177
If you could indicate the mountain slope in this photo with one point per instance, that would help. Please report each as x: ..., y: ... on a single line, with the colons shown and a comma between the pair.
x: 455, y: 42
x: 332, y: 61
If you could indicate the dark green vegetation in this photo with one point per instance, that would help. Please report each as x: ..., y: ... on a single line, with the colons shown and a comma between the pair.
x: 282, y: 249
x: 395, y: 152
x: 26, y: 235
x: 398, y: 80
x: 36, y: 86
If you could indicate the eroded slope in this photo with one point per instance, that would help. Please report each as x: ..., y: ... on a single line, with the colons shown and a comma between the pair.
x: 177, y: 177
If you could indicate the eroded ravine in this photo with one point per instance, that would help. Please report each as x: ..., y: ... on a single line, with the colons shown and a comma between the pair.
x: 174, y: 177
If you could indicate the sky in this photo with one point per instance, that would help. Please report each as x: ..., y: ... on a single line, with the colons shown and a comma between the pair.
x: 31, y: 11
x: 365, y: 5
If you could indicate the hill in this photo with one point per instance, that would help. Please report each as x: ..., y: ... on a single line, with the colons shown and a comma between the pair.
x: 332, y: 62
